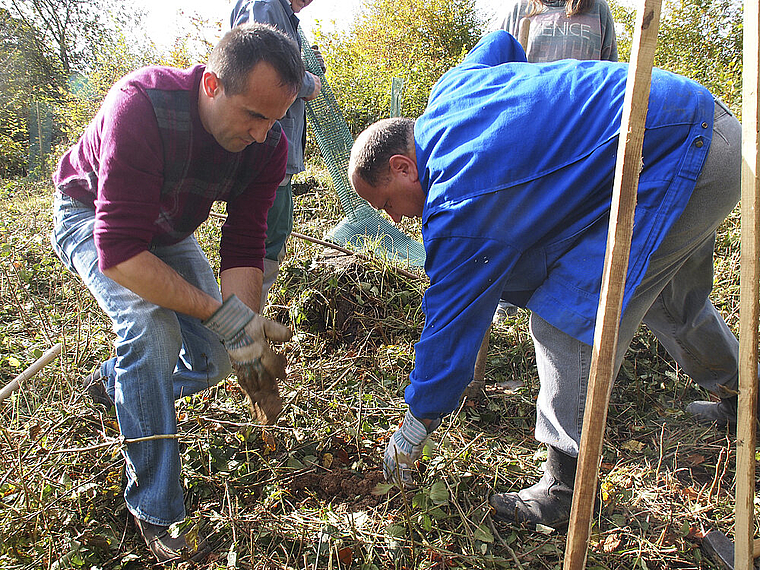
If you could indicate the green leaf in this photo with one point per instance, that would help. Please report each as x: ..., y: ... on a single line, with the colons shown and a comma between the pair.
x: 395, y: 530
x: 382, y: 488
x: 439, y: 493
x: 483, y: 534
x: 427, y: 523
x: 294, y: 463
x: 437, y: 514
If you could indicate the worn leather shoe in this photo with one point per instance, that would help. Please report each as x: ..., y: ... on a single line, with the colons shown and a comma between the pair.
x: 548, y: 502
x: 721, y: 413
x: 189, y: 545
x: 95, y: 387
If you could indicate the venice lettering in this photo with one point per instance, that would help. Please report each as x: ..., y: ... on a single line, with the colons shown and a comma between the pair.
x: 565, y: 29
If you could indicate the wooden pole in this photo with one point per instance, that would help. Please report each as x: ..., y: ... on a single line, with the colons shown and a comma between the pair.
x: 523, y: 33
x: 613, y: 281
x: 478, y: 376
x: 31, y: 371
x: 748, y: 313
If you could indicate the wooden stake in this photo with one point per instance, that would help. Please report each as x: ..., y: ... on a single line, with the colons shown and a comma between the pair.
x: 478, y: 376
x: 748, y: 312
x: 523, y: 32
x: 478, y: 382
x: 613, y: 281
x: 31, y: 371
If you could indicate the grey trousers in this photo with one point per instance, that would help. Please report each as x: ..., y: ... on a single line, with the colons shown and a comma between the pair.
x: 672, y: 300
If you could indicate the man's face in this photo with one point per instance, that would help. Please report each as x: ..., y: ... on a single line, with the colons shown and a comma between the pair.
x: 400, y: 196
x: 238, y: 120
x: 298, y: 5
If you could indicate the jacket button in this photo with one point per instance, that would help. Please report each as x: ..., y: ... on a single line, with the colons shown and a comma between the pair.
x: 699, y: 143
x: 704, y: 125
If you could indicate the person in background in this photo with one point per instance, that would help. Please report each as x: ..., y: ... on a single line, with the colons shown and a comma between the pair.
x: 164, y: 146
x: 282, y: 15
x: 511, y: 168
x: 560, y: 29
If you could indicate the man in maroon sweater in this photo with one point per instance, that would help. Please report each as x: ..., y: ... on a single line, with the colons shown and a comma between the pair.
x: 164, y: 146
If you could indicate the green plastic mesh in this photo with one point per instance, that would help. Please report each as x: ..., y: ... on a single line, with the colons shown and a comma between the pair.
x: 363, y: 227
x: 397, y: 88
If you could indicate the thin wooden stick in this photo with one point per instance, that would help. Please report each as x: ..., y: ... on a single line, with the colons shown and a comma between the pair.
x: 613, y: 281
x: 478, y: 377
x: 748, y: 314
x: 31, y: 371
x: 523, y: 33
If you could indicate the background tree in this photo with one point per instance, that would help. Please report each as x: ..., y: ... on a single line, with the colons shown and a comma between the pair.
x: 60, y: 57
x: 75, y: 28
x: 700, y: 39
x: 27, y: 74
x: 417, y: 41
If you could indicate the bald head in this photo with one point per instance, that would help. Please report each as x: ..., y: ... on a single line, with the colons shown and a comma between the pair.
x: 374, y: 147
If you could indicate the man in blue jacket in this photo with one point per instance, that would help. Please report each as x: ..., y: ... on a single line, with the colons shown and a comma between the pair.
x: 511, y: 169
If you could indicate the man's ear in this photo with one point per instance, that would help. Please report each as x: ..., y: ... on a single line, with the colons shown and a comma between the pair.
x: 403, y: 165
x: 211, y: 84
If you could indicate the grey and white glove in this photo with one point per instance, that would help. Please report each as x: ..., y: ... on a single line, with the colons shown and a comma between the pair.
x: 246, y: 335
x: 405, y: 448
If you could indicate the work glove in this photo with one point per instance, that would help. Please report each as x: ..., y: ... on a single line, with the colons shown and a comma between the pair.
x: 261, y: 389
x: 320, y: 59
x: 246, y: 336
x: 405, y: 448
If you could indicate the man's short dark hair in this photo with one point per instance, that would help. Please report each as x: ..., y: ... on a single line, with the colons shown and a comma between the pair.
x: 243, y: 47
x: 370, y: 159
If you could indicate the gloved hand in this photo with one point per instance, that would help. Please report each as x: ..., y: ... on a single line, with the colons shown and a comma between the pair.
x: 320, y: 59
x: 247, y: 334
x: 405, y: 448
x: 261, y: 389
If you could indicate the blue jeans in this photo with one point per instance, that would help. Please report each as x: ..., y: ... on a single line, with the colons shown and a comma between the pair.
x: 161, y: 355
x: 672, y: 300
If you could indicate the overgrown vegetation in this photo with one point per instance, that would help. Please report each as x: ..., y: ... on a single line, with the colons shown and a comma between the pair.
x: 308, y: 492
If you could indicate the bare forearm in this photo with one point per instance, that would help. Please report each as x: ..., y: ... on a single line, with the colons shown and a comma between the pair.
x: 245, y: 282
x: 156, y: 282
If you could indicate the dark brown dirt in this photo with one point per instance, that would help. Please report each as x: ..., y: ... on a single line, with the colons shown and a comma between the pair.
x: 339, y: 486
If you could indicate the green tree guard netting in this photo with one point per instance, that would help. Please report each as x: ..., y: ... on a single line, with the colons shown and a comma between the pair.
x: 397, y: 88
x: 363, y: 227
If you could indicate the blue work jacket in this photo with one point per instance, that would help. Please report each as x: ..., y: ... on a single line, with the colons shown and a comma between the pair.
x: 517, y: 163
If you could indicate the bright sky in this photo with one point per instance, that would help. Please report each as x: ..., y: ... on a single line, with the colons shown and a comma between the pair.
x: 162, y: 22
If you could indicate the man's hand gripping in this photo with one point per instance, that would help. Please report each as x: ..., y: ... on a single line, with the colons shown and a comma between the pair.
x: 405, y: 448
x: 246, y: 335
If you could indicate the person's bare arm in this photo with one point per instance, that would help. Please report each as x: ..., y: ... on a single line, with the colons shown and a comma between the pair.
x: 245, y: 282
x: 153, y: 280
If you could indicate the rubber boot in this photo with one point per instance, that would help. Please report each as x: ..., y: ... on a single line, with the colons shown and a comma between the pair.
x: 722, y: 413
x: 547, y: 502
